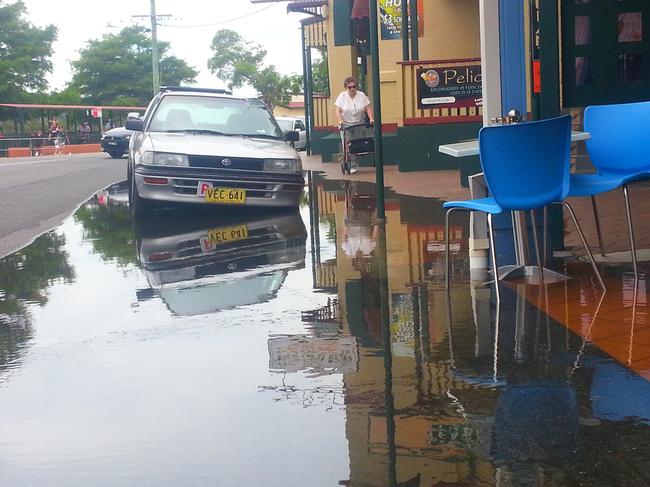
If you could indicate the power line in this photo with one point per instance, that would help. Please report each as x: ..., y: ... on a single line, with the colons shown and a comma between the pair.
x: 219, y: 23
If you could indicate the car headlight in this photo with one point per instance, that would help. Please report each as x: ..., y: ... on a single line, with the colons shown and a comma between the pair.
x: 164, y: 159
x: 283, y: 165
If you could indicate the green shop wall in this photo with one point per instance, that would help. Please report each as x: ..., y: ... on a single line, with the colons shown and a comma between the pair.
x: 328, y: 145
x: 418, y: 146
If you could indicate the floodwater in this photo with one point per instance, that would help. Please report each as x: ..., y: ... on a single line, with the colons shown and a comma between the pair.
x: 310, y: 348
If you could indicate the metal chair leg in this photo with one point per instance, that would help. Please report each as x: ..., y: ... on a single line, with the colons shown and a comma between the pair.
x: 584, y: 243
x: 540, y: 268
x: 601, y: 246
x: 628, y: 213
x: 447, y: 259
x: 545, y: 233
x: 493, y: 252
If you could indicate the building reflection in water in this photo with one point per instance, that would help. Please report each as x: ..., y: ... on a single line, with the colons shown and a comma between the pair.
x: 450, y: 398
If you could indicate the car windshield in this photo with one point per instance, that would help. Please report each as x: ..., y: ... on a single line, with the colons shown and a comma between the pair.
x: 206, y: 114
x: 286, y: 125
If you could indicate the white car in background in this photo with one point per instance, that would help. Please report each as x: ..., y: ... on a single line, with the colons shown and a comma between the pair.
x: 294, y: 124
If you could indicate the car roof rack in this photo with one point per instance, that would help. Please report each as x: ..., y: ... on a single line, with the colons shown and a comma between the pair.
x: 220, y: 91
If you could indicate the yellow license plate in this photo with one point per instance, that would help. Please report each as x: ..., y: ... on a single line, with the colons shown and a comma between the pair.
x: 231, y: 196
x: 218, y: 236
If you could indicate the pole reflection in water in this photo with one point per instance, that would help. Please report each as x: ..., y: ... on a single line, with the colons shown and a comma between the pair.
x: 381, y: 258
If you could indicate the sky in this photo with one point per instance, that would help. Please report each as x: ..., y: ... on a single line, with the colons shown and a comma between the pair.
x: 189, y: 29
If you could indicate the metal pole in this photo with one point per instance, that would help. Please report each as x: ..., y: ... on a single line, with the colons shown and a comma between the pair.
x: 305, y: 78
x: 154, y: 49
x: 376, y: 103
x: 310, y: 98
x: 415, y: 51
x: 405, y: 31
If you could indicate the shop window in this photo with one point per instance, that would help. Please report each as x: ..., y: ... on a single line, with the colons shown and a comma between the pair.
x: 630, y: 68
x: 583, y: 71
x: 630, y: 27
x: 583, y: 30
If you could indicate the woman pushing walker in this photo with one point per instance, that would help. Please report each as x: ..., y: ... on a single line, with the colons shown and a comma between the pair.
x: 352, y: 106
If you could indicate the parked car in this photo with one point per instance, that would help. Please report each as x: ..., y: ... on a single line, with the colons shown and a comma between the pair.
x: 208, y: 147
x: 207, y: 263
x: 288, y: 124
x: 116, y: 141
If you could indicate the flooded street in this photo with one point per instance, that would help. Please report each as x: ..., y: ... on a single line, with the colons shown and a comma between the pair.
x: 310, y: 348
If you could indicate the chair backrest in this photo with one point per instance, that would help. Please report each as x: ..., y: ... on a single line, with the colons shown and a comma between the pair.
x: 526, y: 165
x: 178, y: 119
x: 620, y: 137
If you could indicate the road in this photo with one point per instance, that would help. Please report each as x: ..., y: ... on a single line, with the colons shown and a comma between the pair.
x: 37, y: 193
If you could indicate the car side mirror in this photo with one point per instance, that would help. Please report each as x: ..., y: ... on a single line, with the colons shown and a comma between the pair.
x: 135, y: 125
x: 291, y: 136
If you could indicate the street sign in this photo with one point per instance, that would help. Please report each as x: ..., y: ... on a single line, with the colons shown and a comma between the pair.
x: 96, y: 112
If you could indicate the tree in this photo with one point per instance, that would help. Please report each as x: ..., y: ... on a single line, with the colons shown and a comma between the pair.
x: 239, y: 63
x: 25, y: 52
x: 320, y: 76
x: 116, y: 69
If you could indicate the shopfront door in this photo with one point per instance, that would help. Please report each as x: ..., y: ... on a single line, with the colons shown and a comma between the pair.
x: 605, y: 51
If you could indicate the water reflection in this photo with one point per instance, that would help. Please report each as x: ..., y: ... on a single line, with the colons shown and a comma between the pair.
x: 214, y: 350
x: 24, y: 280
x: 207, y: 263
x: 469, y: 397
x: 107, y: 224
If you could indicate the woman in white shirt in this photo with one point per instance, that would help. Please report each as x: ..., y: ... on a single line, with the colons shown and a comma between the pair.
x: 352, y: 106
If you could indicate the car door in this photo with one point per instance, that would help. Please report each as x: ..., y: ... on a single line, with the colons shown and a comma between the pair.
x: 302, y: 134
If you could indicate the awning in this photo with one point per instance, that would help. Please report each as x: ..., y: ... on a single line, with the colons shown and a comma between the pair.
x: 306, y: 6
x: 360, y: 9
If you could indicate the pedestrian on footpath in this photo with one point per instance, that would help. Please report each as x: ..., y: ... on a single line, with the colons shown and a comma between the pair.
x: 352, y: 106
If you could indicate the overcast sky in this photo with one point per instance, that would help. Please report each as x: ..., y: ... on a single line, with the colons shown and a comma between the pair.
x: 189, y: 30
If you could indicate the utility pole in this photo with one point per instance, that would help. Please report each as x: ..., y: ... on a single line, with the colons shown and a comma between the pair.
x: 155, y: 62
x: 155, y: 65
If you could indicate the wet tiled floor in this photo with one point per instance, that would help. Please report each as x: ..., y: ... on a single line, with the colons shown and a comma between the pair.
x: 311, y: 348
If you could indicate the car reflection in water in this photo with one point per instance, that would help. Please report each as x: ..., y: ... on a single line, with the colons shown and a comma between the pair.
x: 202, y: 264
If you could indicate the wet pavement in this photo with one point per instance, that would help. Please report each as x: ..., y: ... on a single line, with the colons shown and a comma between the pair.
x: 310, y: 348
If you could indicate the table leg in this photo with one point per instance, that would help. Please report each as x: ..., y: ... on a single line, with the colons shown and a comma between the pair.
x: 523, y: 269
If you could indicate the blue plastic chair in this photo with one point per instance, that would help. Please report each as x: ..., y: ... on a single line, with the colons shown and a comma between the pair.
x: 526, y: 166
x: 619, y: 149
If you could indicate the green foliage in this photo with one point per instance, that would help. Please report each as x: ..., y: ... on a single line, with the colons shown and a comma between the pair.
x: 110, y: 230
x: 116, y: 69
x: 275, y: 88
x: 239, y: 63
x: 235, y: 60
x: 26, y: 274
x: 69, y: 96
x: 25, y: 52
x: 320, y: 76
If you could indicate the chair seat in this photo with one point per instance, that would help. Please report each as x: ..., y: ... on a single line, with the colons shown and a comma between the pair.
x: 593, y: 184
x: 488, y: 205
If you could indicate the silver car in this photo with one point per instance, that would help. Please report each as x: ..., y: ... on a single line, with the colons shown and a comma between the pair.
x: 208, y: 147
x: 289, y: 124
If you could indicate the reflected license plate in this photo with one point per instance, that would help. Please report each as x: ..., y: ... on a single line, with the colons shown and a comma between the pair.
x: 233, y: 196
x: 220, y: 236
